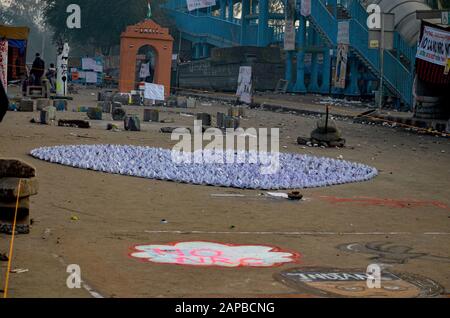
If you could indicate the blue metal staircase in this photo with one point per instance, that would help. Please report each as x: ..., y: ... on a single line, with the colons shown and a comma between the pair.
x: 202, y: 26
x: 398, y: 77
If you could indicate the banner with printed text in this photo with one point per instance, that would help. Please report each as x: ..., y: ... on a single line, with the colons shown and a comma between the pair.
x: 244, y: 91
x: 306, y: 8
x: 199, y: 4
x: 343, y: 36
x: 154, y: 91
x: 341, y: 66
x: 434, y: 46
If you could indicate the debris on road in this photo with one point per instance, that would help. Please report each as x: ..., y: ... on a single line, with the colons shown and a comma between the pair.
x: 19, y: 270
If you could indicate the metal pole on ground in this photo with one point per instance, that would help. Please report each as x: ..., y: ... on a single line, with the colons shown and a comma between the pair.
x: 382, y: 45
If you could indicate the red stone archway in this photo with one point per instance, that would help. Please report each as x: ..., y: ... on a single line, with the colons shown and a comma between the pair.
x: 136, y: 36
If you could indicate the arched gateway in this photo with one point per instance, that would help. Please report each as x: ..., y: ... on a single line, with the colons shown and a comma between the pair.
x: 143, y: 35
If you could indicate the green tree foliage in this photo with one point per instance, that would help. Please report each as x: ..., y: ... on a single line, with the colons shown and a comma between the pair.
x: 28, y: 13
x: 102, y: 21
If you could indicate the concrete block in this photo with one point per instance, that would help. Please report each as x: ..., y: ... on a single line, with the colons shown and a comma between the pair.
x: 151, y: 115
x: 205, y: 118
x: 132, y: 123
x: 105, y: 96
x: 105, y: 106
x: 118, y: 114
x: 13, y: 168
x: 172, y: 102
x: 8, y: 212
x: 191, y: 102
x: 122, y: 98
x: 95, y: 113
x: 41, y: 103
x: 182, y: 102
x: 115, y: 105
x: 27, y: 105
x: 9, y: 188
x: 36, y: 91
x: 47, y: 115
x: 136, y: 99
x: 148, y: 102
x: 60, y: 104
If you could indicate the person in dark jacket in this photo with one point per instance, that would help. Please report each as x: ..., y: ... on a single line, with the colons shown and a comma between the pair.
x: 4, y: 102
x: 37, y: 70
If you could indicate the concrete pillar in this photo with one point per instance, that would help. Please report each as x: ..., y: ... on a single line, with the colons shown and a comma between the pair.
x: 326, y: 72
x: 299, y: 86
x: 244, y: 22
x: 230, y: 10
x: 311, y: 36
x: 205, y: 52
x: 314, y: 80
x: 197, y: 51
x: 352, y: 88
x: 288, y: 75
x: 263, y: 22
x: 223, y: 9
x: 314, y: 85
x: 254, y: 6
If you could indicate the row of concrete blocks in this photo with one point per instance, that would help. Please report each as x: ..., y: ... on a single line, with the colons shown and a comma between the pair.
x: 222, y: 120
x: 11, y: 172
x: 30, y: 105
x: 136, y: 99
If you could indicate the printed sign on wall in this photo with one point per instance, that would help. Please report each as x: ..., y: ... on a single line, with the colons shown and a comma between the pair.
x: 343, y: 32
x: 244, y: 91
x: 434, y: 46
x: 4, y: 63
x: 214, y: 254
x: 199, y: 4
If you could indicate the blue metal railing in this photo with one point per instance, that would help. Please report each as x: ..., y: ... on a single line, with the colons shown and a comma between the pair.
x: 397, y: 74
x: 398, y: 77
x: 321, y: 17
x: 402, y: 48
x: 214, y: 29
x: 398, y: 70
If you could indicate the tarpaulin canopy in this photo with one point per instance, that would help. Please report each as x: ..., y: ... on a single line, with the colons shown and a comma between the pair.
x: 14, y: 33
x: 19, y: 44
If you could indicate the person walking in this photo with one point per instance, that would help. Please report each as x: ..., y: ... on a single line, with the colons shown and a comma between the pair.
x: 37, y: 70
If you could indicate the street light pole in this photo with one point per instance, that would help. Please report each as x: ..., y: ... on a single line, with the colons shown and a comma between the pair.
x: 382, y: 47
